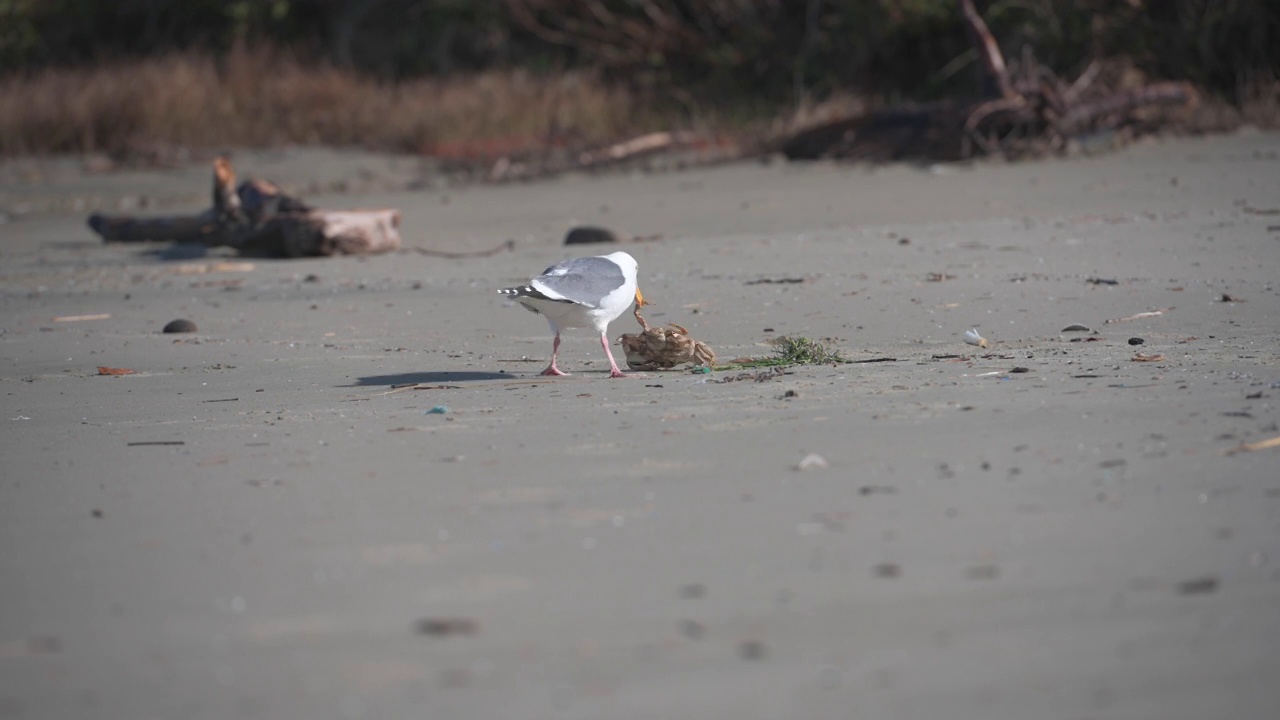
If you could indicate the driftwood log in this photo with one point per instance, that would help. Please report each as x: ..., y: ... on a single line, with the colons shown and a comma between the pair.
x: 1030, y: 110
x: 257, y: 218
x: 535, y: 166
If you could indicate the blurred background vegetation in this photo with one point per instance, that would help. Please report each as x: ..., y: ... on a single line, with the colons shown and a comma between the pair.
x: 639, y: 62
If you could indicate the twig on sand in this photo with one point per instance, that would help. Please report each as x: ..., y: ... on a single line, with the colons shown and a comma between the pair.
x: 218, y: 267
x: 1254, y: 446
x: 507, y: 245
x: 1138, y: 316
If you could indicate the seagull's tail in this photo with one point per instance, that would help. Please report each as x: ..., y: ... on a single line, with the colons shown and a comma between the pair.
x: 523, y: 291
x: 528, y: 291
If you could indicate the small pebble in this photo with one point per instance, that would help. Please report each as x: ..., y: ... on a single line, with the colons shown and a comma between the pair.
x: 887, y: 570
x: 1198, y: 586
x: 692, y: 629
x: 982, y: 572
x: 752, y: 650
x: 1136, y: 341
x: 441, y: 627
x: 877, y: 489
x: 180, y: 326
x: 693, y: 591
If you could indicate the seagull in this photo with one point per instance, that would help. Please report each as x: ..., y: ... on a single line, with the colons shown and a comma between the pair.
x: 580, y: 293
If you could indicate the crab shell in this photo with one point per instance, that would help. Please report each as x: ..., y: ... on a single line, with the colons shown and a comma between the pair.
x: 663, y: 348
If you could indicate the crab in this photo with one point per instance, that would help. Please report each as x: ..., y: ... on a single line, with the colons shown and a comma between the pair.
x: 662, y: 348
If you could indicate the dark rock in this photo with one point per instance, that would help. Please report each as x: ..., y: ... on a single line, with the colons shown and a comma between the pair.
x: 586, y: 235
x: 180, y: 326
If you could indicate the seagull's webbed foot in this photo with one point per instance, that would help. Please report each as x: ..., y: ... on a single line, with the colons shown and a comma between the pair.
x: 552, y: 370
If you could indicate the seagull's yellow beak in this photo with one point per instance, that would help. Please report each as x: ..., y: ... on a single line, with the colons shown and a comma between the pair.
x: 640, y: 301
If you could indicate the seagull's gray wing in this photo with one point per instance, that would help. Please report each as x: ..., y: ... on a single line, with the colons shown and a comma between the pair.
x: 586, y: 281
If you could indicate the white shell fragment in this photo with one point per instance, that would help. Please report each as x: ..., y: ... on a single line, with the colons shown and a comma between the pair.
x: 812, y: 461
x: 973, y: 338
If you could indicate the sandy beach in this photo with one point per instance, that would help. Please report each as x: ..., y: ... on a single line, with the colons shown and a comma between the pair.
x: 267, y: 520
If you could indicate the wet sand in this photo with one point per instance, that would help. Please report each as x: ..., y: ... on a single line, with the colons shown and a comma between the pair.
x: 261, y: 522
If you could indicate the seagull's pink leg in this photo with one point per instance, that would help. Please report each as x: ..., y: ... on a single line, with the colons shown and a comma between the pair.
x: 614, y: 372
x: 555, y: 350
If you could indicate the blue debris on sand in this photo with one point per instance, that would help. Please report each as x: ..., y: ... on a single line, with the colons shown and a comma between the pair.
x: 437, y: 410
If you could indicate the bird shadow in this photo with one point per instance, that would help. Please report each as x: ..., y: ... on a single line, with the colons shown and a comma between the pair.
x: 430, y: 378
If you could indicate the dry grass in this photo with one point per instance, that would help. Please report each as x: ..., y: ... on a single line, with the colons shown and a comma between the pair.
x: 257, y: 97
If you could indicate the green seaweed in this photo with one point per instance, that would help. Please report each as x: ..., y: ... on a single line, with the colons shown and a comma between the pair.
x: 803, y: 351
x: 791, y: 351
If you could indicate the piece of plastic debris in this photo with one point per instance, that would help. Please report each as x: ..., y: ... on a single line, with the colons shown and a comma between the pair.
x: 812, y: 461
x: 114, y: 371
x: 972, y: 337
x: 437, y: 410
